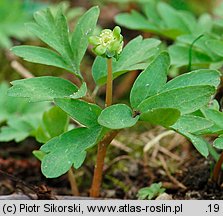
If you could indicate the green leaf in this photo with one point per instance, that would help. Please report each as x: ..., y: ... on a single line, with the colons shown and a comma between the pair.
x: 171, y: 18
x: 80, y: 93
x: 141, y: 51
x: 216, y: 117
x: 54, y: 123
x: 194, y: 78
x: 52, y: 28
x: 20, y: 118
x: 40, y: 55
x: 215, y: 46
x: 18, y: 134
x: 83, y: 30
x: 81, y: 111
x: 39, y: 154
x: 179, y: 55
x: 117, y: 116
x: 42, y: 88
x: 218, y: 143
x: 199, y: 143
x: 151, y: 80
x: 187, y: 125
x: 191, y: 124
x: 185, y: 99
x: 69, y: 149
x: 135, y: 21
x: 150, y: 192
x: 16, y: 129
x: 161, y: 116
x: 62, y: 29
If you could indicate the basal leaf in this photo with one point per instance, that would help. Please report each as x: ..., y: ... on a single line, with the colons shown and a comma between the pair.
x: 185, y: 99
x: 41, y: 55
x: 117, y: 116
x: 69, y: 149
x: 42, y: 88
x: 161, y: 116
x: 135, y: 56
x: 81, y: 111
x: 151, y: 80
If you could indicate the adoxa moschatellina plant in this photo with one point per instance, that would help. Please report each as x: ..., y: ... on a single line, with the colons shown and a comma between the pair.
x: 152, y: 99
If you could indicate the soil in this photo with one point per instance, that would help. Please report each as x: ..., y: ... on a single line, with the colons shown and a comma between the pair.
x: 125, y: 173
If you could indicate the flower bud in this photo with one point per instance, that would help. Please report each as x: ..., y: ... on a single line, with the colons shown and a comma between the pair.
x: 109, y: 43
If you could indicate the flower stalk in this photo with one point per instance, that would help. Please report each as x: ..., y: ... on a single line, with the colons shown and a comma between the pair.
x: 108, y: 45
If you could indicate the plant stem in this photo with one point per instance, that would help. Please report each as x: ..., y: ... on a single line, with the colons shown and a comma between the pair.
x: 191, y: 50
x: 73, y: 183
x: 102, y: 146
x: 217, y: 168
x: 98, y: 171
x: 108, y: 101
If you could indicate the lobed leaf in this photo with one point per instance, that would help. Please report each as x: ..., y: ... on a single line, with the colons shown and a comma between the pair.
x: 192, y: 124
x: 199, y: 143
x: 42, y: 88
x: 172, y: 19
x: 216, y: 117
x: 186, y: 99
x: 41, y: 55
x: 194, y: 78
x: 117, y: 116
x: 218, y: 143
x: 161, y: 116
x: 67, y: 150
x: 151, y: 80
x: 81, y: 111
x: 83, y: 30
x: 54, y: 123
x: 135, y: 21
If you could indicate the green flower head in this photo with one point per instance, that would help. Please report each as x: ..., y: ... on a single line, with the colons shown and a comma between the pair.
x: 109, y: 43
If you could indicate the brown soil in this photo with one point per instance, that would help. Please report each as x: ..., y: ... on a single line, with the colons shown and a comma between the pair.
x: 125, y: 173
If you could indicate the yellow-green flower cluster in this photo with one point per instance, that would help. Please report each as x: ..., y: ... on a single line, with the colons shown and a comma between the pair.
x: 109, y: 43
